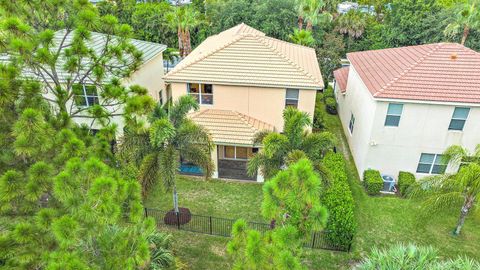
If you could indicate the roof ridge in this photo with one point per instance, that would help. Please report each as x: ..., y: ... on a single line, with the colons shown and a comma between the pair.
x: 302, y: 70
x: 246, y: 119
x: 407, y: 70
x: 180, y: 67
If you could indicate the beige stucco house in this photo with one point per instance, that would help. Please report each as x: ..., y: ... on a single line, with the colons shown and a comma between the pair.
x: 243, y: 80
x: 401, y: 108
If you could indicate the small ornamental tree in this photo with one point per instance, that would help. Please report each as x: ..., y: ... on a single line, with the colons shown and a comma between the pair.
x: 292, y: 197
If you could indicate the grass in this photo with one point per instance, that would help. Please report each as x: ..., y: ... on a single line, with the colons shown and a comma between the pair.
x: 382, y: 220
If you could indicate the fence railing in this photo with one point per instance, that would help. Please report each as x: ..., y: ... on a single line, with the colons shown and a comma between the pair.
x: 223, y: 227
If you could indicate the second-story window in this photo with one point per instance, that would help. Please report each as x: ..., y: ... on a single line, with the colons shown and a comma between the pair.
x: 203, y: 93
x: 394, y: 113
x: 85, y: 95
x: 291, y: 98
x: 459, y: 118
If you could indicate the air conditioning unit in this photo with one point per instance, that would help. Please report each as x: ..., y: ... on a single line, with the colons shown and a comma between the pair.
x: 388, y: 184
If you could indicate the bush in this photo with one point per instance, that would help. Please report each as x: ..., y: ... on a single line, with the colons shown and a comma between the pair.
x: 373, y: 182
x: 331, y: 105
x: 319, y: 117
x: 328, y: 93
x: 339, y: 202
x: 405, y: 180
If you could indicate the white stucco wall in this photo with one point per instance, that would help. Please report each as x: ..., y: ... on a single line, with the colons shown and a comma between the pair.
x: 423, y: 128
x: 359, y: 101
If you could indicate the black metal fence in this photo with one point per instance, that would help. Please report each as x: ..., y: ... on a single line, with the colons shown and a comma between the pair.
x: 223, y: 227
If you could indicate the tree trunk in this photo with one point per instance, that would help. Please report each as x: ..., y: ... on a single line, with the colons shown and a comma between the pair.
x: 309, y: 26
x: 300, y: 22
x: 175, y: 199
x: 463, y: 214
x: 188, y: 44
x: 466, y: 31
x: 180, y: 43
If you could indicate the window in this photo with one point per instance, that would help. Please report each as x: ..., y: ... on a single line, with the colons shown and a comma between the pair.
x: 291, y: 98
x: 431, y: 164
x: 237, y: 152
x: 203, y: 93
x: 458, y: 118
x: 351, y: 124
x: 394, y: 113
x: 85, y: 95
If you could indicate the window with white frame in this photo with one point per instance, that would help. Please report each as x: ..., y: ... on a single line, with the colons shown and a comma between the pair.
x: 394, y: 113
x: 203, y: 93
x: 459, y: 118
x: 85, y: 95
x: 291, y: 98
x: 431, y: 164
x: 351, y: 124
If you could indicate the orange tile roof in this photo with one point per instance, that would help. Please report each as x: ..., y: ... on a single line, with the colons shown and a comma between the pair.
x: 229, y: 127
x: 243, y: 55
x: 445, y: 72
x: 341, y: 77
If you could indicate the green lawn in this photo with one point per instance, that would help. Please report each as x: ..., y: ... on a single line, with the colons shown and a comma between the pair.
x: 382, y: 220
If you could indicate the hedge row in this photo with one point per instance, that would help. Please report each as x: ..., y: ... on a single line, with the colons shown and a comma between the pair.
x: 373, y: 182
x: 339, y: 201
x: 405, y: 180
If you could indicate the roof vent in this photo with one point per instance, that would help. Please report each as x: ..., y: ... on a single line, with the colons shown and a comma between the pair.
x: 454, y: 56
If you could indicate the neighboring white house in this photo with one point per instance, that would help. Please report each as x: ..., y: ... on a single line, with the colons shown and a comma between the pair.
x: 401, y: 108
x: 149, y: 75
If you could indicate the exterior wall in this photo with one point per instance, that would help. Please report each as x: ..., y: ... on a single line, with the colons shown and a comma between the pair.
x: 423, y: 128
x: 265, y: 104
x: 359, y: 101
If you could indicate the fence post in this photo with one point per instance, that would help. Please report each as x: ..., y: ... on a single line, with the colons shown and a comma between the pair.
x: 313, y: 240
x: 210, y: 223
x: 178, y: 220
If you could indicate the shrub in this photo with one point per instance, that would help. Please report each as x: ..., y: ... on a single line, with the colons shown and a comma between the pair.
x: 372, y: 181
x: 318, y: 117
x: 405, y: 180
x: 331, y: 105
x: 328, y: 93
x: 339, y: 202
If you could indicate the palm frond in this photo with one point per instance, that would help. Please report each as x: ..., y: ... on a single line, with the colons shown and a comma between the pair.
x: 181, y: 107
x: 259, y: 136
x: 200, y: 156
x: 316, y: 144
x: 133, y: 147
x: 455, y: 153
x: 161, y: 132
x: 149, y: 172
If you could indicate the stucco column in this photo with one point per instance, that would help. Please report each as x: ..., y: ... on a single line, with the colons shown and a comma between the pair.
x: 215, y: 161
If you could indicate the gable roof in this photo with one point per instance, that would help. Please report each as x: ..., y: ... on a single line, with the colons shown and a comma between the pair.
x: 341, y: 77
x: 229, y: 127
x: 444, y: 72
x: 243, y: 55
x: 97, y: 42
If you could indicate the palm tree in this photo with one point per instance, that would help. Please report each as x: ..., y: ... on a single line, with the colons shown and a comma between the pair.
x: 352, y: 23
x: 170, y: 55
x: 184, y: 19
x: 467, y: 19
x: 157, y: 151
x: 300, y: 7
x: 451, y: 190
x: 314, y: 13
x: 302, y: 37
x: 293, y: 144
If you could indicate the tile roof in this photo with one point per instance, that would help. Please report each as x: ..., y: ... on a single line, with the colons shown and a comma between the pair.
x: 445, y: 72
x: 229, y: 127
x: 96, y: 43
x: 243, y: 55
x: 341, y: 77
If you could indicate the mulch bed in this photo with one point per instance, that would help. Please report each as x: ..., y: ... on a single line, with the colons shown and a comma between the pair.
x: 184, y: 217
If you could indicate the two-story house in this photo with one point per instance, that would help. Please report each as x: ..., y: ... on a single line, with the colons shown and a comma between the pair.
x: 402, y: 107
x: 243, y: 80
